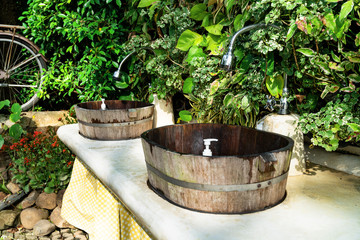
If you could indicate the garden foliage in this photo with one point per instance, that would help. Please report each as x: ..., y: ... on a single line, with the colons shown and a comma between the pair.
x: 40, y: 161
x: 316, y: 45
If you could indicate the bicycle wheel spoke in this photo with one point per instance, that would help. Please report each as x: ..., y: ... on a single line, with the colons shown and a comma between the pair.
x: 21, y: 71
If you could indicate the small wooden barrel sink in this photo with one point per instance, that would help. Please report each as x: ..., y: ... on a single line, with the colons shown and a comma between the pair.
x: 247, y: 172
x: 120, y: 120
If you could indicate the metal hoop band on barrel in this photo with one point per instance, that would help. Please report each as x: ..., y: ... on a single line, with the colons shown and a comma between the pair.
x: 115, y: 124
x: 218, y: 188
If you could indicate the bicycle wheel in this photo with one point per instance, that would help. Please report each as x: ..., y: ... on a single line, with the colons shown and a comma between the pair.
x: 21, y: 71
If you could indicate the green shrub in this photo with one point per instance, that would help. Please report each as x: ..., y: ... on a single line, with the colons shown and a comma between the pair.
x: 83, y: 41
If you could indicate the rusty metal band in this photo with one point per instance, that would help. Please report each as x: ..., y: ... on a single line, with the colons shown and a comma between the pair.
x: 218, y: 188
x: 102, y: 125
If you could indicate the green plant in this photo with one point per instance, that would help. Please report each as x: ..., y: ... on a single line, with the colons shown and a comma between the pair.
x: 15, y: 130
x: 83, y: 41
x: 337, y: 121
x: 41, y: 161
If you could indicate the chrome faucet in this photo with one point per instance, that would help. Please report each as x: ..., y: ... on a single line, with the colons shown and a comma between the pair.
x: 226, y: 63
x: 116, y: 75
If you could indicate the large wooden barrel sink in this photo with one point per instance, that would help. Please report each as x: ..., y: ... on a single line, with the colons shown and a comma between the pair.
x: 247, y: 172
x: 120, y: 120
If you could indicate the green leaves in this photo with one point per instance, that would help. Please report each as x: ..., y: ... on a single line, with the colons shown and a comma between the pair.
x: 214, y: 29
x: 15, y: 131
x: 195, y: 52
x: 188, y: 39
x: 346, y: 8
x: 275, y: 85
x: 188, y: 85
x: 4, y: 103
x: 307, y: 52
x: 146, y: 3
x: 291, y: 31
x: 185, y: 116
x: 198, y: 12
x: 15, y: 112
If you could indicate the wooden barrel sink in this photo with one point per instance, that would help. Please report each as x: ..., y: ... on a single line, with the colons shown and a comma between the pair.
x: 120, y: 120
x: 247, y: 171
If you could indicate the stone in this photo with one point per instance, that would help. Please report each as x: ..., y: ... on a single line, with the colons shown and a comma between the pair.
x: 29, y: 200
x: 2, y: 224
x: 30, y: 216
x: 287, y: 125
x: 66, y: 230
x: 7, y: 235
x: 67, y: 235
x: 54, y: 233
x: 19, y: 235
x: 56, y: 218
x: 2, y: 195
x: 9, y: 217
x: 79, y: 233
x: 31, y: 237
x: 43, y: 227
x: 81, y: 237
x: 44, y: 238
x: 13, y: 187
x: 57, y: 237
x: 46, y: 200
x: 59, y: 197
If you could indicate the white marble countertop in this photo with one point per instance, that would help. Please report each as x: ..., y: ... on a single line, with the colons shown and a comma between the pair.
x: 318, y: 206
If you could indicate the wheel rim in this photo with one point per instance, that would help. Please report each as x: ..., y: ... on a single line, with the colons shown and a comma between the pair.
x: 21, y: 72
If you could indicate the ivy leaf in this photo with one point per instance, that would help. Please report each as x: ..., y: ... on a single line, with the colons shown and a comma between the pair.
x: 188, y: 85
x: 15, y: 112
x: 336, y: 67
x: 307, y: 52
x: 228, y: 99
x: 15, y: 131
x: 198, y: 12
x: 240, y: 20
x: 214, y: 29
x: 323, y: 66
x: 118, y: 2
x: 355, y: 127
x: 146, y: 3
x: 229, y: 4
x: 188, y: 39
x: 354, y: 59
x: 4, y: 103
x: 214, y: 87
x: 121, y: 85
x: 346, y: 8
x: 195, y: 51
x: 185, y: 116
x: 291, y: 31
x: 275, y: 85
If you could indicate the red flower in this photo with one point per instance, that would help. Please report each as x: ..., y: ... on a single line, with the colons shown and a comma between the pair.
x: 37, y: 133
x: 69, y: 163
x: 64, y: 150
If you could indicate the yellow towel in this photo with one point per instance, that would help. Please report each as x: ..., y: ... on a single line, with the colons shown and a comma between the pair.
x: 89, y: 206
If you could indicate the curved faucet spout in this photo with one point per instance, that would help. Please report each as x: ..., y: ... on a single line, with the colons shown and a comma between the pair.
x: 116, y: 74
x: 226, y: 61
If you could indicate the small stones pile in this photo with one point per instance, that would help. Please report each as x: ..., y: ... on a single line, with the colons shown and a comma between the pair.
x: 38, y: 217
